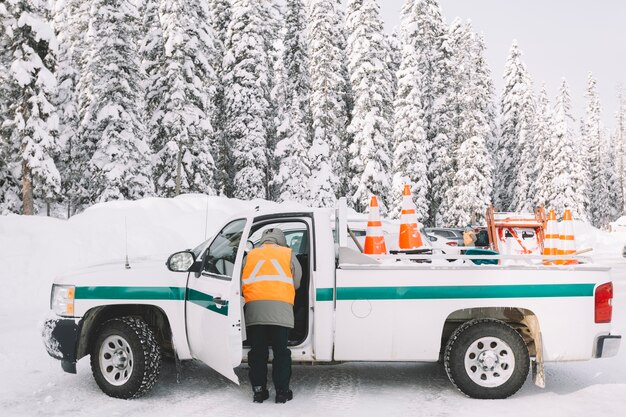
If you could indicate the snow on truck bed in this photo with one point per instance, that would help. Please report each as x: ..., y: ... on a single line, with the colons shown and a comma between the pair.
x: 35, y: 249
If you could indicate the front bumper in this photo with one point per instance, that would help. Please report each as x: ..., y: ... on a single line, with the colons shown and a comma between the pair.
x: 606, y: 346
x: 60, y: 336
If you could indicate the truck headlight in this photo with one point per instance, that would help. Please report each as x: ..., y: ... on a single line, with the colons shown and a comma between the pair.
x: 62, y: 300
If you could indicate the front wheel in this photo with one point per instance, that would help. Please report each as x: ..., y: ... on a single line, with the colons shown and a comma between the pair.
x: 125, y: 358
x: 487, y: 359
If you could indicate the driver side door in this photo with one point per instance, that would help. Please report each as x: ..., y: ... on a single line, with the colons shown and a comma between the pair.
x: 213, y: 303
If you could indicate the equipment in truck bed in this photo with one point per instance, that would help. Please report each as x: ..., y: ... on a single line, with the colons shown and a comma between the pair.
x: 524, y: 229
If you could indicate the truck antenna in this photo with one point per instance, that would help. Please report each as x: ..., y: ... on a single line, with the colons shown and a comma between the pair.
x: 127, y: 264
x: 206, y: 217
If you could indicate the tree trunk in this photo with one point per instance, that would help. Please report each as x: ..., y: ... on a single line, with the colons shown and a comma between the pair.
x: 27, y: 189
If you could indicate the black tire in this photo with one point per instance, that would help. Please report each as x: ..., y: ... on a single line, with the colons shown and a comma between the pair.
x: 132, y: 338
x: 491, y: 374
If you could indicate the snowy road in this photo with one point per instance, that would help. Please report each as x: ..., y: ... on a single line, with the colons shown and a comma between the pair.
x: 32, y: 384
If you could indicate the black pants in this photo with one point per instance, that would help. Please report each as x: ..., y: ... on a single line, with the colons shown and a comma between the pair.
x: 260, y: 338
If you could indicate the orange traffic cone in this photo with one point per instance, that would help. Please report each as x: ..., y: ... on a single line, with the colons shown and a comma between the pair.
x: 410, y: 237
x: 551, y: 241
x: 567, y: 245
x: 374, y: 238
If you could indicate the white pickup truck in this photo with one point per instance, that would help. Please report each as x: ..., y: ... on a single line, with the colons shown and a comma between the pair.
x: 487, y: 324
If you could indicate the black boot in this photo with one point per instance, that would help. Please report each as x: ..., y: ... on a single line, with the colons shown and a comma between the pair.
x: 282, y: 396
x: 260, y: 394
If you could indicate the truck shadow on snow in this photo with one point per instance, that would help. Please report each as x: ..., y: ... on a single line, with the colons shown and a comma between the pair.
x: 343, y: 381
x: 322, y: 381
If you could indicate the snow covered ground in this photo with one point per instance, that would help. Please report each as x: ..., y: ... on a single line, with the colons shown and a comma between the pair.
x: 35, y: 249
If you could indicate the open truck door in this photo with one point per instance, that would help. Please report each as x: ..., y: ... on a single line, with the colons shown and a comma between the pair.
x: 213, y: 302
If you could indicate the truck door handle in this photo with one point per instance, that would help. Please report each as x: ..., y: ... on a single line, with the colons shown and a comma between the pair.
x: 219, y: 301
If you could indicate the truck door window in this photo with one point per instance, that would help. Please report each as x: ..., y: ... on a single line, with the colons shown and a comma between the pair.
x: 221, y: 255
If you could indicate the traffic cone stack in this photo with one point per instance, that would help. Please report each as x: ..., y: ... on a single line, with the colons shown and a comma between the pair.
x: 552, y: 239
x: 374, y: 238
x: 410, y: 237
x: 567, y: 245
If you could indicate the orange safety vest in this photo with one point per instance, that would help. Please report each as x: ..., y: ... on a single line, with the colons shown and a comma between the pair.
x: 267, y: 275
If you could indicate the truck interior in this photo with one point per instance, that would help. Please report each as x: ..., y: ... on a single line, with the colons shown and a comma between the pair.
x: 298, y: 236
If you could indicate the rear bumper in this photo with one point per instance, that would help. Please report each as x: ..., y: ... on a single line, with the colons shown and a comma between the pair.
x: 606, y: 346
x: 60, y: 336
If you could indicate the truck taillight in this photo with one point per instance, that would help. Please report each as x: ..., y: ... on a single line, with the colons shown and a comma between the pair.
x: 604, y: 303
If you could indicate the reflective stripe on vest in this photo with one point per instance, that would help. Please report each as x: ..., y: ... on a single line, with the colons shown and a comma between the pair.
x: 267, y: 275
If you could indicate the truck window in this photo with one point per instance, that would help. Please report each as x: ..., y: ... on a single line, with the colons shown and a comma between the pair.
x: 296, y: 235
x: 221, y: 255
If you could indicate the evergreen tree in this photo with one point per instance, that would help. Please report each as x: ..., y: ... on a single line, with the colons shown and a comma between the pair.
x: 564, y: 171
x: 371, y: 87
x: 470, y: 99
x: 220, y: 11
x: 544, y: 139
x: 599, y: 206
x: 32, y: 48
x: 184, y: 159
x: 119, y: 167
x: 292, y: 88
x: 469, y: 196
x: 425, y: 21
x: 246, y: 78
x: 410, y: 156
x: 340, y: 151
x: 295, y: 56
x: 429, y: 39
x: 394, y: 58
x: 327, y: 102
x: 292, y: 178
x: 517, y: 106
x: 152, y: 53
x: 619, y: 140
x: 484, y: 100
x: 71, y: 18
x: 9, y: 148
x: 615, y: 197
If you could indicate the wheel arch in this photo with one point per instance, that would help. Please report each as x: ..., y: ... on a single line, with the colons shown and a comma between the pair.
x: 153, y: 315
x: 523, y: 320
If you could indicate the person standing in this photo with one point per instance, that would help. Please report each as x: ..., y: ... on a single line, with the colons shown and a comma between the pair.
x: 271, y: 275
x: 469, y: 236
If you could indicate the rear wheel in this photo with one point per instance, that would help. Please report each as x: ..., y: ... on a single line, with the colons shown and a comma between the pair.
x: 487, y: 359
x: 125, y: 358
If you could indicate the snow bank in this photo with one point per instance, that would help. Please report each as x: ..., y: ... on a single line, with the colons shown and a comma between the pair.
x: 35, y: 249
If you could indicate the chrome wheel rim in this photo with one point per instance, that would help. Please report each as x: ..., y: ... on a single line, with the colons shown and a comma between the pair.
x: 116, y: 360
x: 489, y: 362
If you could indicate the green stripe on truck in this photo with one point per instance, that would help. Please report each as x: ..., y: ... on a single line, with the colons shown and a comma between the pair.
x: 130, y: 293
x: 149, y: 293
x: 467, y: 291
x: 206, y: 301
x: 324, y: 294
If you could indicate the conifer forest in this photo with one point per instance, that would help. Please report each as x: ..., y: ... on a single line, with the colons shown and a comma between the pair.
x: 303, y: 100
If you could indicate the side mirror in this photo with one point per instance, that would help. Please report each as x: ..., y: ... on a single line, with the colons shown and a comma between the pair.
x: 180, y: 261
x: 249, y: 246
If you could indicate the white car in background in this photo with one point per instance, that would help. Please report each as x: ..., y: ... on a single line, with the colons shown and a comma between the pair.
x: 448, y: 246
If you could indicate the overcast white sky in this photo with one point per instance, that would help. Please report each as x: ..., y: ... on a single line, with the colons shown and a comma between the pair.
x: 559, y: 38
